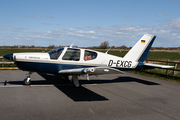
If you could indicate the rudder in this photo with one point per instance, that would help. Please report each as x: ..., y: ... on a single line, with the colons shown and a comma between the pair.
x: 140, y: 50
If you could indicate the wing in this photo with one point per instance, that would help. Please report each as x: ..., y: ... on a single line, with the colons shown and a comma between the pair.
x: 91, y: 70
x: 148, y: 65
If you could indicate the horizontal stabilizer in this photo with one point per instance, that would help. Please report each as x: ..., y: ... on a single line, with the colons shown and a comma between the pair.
x: 91, y: 70
x: 158, y: 66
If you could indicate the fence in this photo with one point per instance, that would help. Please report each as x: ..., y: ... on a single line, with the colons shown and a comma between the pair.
x: 3, y: 63
x: 175, y: 64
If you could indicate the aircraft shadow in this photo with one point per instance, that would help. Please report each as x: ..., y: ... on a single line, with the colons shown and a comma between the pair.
x: 81, y: 93
x: 120, y: 79
x: 76, y: 94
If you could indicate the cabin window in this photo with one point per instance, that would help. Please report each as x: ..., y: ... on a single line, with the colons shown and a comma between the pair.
x: 72, y: 54
x: 54, y: 54
x: 89, y: 55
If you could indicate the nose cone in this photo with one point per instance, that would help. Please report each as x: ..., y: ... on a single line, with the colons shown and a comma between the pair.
x: 9, y: 57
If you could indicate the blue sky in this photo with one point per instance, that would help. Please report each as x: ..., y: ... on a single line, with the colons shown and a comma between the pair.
x: 89, y: 22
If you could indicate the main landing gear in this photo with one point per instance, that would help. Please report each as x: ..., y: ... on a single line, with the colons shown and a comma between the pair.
x: 75, y: 81
x: 27, y: 80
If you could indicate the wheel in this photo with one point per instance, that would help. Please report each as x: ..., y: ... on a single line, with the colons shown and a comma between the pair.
x: 27, y: 81
x: 75, y: 85
x: 75, y: 81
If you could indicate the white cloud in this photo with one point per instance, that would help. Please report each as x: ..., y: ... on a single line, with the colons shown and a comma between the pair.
x: 31, y: 16
x: 79, y: 35
x: 160, y: 14
x: 7, y: 28
x: 168, y: 35
x: 34, y: 16
x: 46, y: 23
x: 86, y: 32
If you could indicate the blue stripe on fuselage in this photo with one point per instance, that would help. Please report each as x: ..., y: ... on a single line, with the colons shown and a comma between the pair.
x: 47, y: 67
x: 56, y: 67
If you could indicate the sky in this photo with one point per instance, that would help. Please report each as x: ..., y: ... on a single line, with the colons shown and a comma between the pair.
x: 89, y: 22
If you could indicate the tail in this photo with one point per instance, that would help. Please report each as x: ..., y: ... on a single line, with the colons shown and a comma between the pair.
x: 140, y: 51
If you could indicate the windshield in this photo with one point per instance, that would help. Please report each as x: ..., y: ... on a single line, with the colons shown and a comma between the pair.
x: 54, y: 54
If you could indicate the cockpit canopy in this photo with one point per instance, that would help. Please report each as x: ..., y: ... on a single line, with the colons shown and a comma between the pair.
x: 54, y: 54
x: 72, y: 54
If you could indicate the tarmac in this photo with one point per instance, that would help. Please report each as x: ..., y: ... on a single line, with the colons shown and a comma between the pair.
x: 106, y: 97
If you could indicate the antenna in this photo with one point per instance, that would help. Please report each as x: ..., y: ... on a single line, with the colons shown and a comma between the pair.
x: 72, y: 44
x: 108, y: 50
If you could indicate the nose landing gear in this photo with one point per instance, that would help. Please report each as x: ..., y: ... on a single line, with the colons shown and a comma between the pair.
x: 27, y: 81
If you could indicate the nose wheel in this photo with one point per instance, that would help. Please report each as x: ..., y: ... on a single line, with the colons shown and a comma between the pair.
x: 27, y: 81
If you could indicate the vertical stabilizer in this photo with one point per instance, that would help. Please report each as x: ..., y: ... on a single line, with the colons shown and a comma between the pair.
x: 140, y: 50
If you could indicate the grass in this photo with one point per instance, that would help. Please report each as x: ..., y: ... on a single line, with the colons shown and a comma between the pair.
x: 8, y: 65
x: 170, y: 56
x: 158, y: 73
x: 9, y: 51
x: 115, y: 52
x: 164, y: 56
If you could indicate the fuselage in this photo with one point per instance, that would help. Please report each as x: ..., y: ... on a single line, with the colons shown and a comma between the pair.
x: 69, y: 58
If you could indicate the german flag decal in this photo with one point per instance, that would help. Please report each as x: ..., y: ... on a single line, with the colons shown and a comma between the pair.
x: 143, y: 41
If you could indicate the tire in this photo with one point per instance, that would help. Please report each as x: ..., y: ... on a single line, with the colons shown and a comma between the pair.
x: 75, y: 85
x: 26, y: 82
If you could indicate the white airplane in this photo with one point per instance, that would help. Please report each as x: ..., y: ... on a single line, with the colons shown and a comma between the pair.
x: 75, y: 61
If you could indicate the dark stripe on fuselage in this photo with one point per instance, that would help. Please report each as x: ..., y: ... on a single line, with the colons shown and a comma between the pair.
x: 47, y: 67
x: 56, y: 67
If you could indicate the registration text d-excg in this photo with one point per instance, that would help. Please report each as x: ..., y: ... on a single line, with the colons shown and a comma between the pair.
x: 120, y: 63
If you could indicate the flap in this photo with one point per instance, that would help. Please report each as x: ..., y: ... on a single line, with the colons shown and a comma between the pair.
x: 91, y: 70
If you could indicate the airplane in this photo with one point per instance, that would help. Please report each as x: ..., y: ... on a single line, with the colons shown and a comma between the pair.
x: 69, y: 61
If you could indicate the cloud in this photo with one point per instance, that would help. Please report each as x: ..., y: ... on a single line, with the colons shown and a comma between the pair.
x: 46, y: 23
x: 127, y: 16
x: 168, y: 35
x: 160, y: 15
x: 31, y: 16
x: 34, y: 16
x: 175, y: 25
x: 7, y: 28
